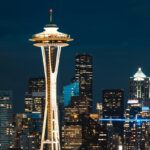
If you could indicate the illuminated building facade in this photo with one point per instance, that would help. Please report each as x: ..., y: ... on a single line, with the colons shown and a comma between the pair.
x: 33, y: 116
x: 113, y: 107
x: 84, y: 75
x: 28, y: 125
x: 51, y: 41
x: 35, y: 97
x: 36, y: 85
x: 81, y: 129
x: 94, y: 134
x: 6, y: 118
x: 18, y: 120
x: 140, y: 88
x: 72, y: 128
x: 136, y: 132
x: 70, y: 91
x: 31, y: 131
x: 35, y: 102
x: 72, y: 137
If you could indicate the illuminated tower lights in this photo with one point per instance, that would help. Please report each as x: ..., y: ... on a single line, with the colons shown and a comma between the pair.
x: 51, y: 41
x: 140, y: 87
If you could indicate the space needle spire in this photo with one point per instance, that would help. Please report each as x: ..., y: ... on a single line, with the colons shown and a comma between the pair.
x: 51, y: 42
x: 51, y: 15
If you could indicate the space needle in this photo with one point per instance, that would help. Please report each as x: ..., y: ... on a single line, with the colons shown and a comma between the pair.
x: 50, y: 41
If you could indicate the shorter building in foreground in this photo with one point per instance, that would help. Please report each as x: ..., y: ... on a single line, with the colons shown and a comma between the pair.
x: 28, y: 131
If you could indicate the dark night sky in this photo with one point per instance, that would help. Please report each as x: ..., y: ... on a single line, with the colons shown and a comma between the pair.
x: 115, y: 32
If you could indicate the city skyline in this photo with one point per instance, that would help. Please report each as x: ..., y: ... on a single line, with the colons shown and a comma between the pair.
x: 120, y: 44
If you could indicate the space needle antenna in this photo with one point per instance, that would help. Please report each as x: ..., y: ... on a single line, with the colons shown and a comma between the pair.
x: 51, y: 15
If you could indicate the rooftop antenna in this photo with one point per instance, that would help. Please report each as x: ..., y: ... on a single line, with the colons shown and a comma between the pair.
x: 51, y: 15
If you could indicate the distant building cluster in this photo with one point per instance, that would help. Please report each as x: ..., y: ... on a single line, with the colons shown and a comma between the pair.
x: 113, y: 124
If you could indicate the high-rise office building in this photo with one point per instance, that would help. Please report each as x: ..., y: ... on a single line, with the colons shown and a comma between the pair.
x: 72, y: 128
x: 18, y: 121
x: 81, y: 129
x: 70, y: 91
x: 84, y: 75
x: 72, y: 136
x: 94, y: 133
x: 136, y: 130
x: 140, y: 88
x: 113, y: 107
x: 36, y: 84
x: 35, y: 96
x: 29, y: 129
x: 6, y: 118
x: 35, y: 102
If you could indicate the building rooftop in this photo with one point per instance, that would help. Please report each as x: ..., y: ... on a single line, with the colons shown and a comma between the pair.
x: 139, y: 75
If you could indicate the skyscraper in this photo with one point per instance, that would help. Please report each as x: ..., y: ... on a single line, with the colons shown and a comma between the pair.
x: 133, y: 130
x: 51, y: 41
x: 29, y: 126
x: 140, y: 88
x: 84, y: 75
x: 78, y: 100
x: 113, y: 107
x: 35, y: 96
x: 71, y: 129
x: 36, y: 85
x: 31, y: 131
x: 6, y: 116
x: 94, y: 133
x: 81, y: 129
x: 137, y: 131
x: 70, y: 90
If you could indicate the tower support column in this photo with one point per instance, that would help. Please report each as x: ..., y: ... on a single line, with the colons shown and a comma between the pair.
x: 51, y: 121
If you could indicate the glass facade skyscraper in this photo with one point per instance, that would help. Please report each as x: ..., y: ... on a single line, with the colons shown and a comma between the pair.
x: 136, y: 132
x: 31, y: 125
x: 69, y: 91
x: 113, y: 107
x: 35, y: 96
x: 140, y: 88
x: 84, y: 75
x: 31, y: 131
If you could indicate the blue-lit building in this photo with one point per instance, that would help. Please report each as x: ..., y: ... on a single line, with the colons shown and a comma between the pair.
x: 6, y: 116
x: 70, y: 91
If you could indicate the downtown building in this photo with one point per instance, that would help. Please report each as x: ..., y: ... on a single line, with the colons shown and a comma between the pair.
x: 35, y: 97
x: 78, y: 101
x: 81, y: 129
x: 29, y: 127
x: 136, y: 131
x: 6, y: 119
x: 140, y: 88
x: 84, y: 75
x: 113, y: 108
